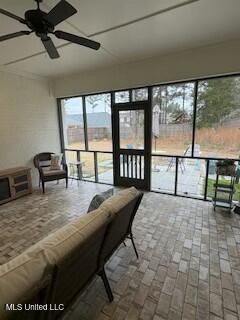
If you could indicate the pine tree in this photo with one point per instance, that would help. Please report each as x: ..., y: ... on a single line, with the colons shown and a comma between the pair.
x: 217, y: 98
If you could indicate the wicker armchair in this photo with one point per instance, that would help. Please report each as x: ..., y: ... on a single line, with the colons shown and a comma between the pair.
x: 42, y: 163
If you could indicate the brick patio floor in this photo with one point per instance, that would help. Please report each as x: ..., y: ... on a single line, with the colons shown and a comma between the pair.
x: 189, y: 265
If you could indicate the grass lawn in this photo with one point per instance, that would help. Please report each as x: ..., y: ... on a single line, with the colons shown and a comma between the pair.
x: 210, y: 192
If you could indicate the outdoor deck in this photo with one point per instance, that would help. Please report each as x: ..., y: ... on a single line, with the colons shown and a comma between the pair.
x: 191, y: 176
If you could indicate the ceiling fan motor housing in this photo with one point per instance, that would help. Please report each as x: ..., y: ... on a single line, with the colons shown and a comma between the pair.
x: 36, y: 21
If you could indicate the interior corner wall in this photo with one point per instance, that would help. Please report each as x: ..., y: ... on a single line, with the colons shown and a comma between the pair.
x: 28, y: 121
x: 200, y: 62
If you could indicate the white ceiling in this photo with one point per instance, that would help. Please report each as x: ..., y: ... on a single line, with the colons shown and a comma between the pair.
x: 196, y: 24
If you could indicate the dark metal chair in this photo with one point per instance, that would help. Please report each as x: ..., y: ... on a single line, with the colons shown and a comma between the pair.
x: 42, y: 162
x: 172, y: 161
x: 119, y: 229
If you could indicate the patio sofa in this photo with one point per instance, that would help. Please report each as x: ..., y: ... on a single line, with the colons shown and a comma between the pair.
x: 55, y: 270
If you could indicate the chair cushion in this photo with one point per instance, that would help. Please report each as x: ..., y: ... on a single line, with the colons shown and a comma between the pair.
x: 98, y: 199
x: 21, y: 279
x: 48, y: 172
x: 121, y: 199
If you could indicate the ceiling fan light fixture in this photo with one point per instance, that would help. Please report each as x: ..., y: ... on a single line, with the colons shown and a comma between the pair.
x: 43, y: 24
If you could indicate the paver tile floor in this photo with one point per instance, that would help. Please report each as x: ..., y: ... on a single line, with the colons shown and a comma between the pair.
x: 189, y: 265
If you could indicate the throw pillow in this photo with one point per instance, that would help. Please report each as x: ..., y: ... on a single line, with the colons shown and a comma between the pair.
x: 56, y: 160
x: 98, y: 199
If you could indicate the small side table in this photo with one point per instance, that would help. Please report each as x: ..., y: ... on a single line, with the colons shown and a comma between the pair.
x: 78, y: 165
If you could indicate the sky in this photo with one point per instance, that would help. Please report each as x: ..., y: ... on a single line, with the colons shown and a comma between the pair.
x: 74, y: 106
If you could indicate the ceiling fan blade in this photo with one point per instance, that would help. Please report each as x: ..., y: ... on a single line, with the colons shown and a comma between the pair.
x: 11, y: 15
x: 78, y: 40
x: 14, y: 35
x: 50, y: 48
x: 62, y: 11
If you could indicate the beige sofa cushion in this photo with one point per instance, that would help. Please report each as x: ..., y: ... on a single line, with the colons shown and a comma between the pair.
x: 119, y: 200
x: 74, y: 249
x: 88, y: 222
x: 60, y: 235
x: 78, y: 262
x: 58, y: 244
x: 21, y: 279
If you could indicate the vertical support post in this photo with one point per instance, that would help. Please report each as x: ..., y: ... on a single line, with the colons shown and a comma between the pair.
x: 60, y: 125
x: 123, y: 165
x: 140, y: 167
x: 96, y: 166
x: 176, y: 177
x: 148, y: 143
x: 215, y: 193
x: 136, y: 162
x: 130, y: 95
x: 131, y: 157
x: 194, y: 115
x: 78, y: 155
x: 114, y: 139
x: 79, y: 168
x: 206, y: 180
x: 85, y: 122
x: 127, y: 156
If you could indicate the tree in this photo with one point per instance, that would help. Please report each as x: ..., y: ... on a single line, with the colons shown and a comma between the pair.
x: 173, y: 99
x: 217, y: 98
x: 140, y: 94
x: 97, y: 99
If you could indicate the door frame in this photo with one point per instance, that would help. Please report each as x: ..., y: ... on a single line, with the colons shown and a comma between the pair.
x: 144, y: 184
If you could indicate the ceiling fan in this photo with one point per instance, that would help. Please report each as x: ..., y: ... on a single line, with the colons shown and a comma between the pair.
x: 43, y: 24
